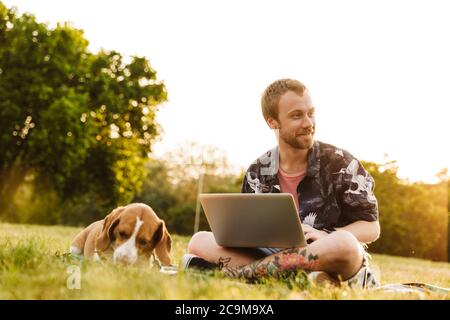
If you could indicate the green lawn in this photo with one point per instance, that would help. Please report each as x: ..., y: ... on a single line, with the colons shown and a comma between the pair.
x: 32, y: 267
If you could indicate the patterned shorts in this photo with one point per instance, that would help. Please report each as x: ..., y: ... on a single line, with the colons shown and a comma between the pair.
x: 269, y: 251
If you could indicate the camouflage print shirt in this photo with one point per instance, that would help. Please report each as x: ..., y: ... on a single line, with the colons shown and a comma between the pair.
x: 336, y: 191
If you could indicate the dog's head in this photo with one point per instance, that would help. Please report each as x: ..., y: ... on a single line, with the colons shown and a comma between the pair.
x: 134, y: 231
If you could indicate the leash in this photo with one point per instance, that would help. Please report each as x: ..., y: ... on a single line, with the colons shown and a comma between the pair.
x: 156, y: 261
x: 169, y: 270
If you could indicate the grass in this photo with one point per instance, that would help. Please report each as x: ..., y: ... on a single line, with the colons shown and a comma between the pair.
x: 33, y: 266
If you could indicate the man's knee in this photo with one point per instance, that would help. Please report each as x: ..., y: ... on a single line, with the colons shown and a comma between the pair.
x: 348, y: 251
x: 200, y: 241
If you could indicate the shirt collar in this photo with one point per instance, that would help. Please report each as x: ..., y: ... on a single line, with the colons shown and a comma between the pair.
x: 313, y: 160
x: 313, y: 168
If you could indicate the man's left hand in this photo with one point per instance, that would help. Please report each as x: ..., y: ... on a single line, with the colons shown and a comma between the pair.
x: 312, y: 234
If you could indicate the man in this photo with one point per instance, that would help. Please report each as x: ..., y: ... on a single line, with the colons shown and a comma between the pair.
x: 333, y: 194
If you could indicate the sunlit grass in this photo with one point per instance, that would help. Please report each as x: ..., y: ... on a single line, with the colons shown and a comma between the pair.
x: 32, y: 266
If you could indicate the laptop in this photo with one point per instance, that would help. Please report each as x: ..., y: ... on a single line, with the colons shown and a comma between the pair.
x: 253, y: 220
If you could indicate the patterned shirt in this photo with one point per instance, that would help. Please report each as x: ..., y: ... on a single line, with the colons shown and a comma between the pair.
x: 336, y: 191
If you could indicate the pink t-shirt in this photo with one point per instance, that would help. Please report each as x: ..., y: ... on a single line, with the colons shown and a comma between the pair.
x: 289, y: 183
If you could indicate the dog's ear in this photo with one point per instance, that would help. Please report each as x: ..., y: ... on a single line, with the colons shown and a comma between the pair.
x: 111, y: 221
x: 163, y: 244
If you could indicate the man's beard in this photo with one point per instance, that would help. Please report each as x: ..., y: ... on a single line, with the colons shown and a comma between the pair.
x: 296, y: 141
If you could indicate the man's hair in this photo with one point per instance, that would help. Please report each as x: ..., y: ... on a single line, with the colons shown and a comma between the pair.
x: 272, y: 94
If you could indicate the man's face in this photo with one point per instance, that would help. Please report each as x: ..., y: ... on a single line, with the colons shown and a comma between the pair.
x: 296, y: 122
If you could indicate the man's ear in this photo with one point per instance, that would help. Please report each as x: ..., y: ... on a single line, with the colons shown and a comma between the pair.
x: 105, y: 238
x: 163, y: 244
x: 272, y: 123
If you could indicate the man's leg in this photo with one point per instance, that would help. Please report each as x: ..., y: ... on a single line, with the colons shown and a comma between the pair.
x: 338, y: 254
x: 204, y: 245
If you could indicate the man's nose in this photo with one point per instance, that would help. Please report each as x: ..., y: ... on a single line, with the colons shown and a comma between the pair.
x: 308, y: 122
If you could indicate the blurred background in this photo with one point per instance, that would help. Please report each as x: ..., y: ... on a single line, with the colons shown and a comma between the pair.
x: 106, y: 103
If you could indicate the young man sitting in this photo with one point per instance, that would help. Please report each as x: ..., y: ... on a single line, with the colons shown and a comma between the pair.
x: 333, y: 194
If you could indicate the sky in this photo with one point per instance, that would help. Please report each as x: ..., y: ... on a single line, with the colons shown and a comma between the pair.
x: 378, y: 71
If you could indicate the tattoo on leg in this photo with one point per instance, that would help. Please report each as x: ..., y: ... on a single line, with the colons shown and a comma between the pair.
x: 223, y: 262
x: 275, y: 265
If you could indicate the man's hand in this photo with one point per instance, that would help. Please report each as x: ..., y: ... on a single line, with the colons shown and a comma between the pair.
x: 312, y: 234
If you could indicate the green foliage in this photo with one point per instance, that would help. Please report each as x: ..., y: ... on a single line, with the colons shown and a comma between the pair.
x: 77, y: 123
x: 22, y: 255
x: 413, y: 217
x: 171, y: 185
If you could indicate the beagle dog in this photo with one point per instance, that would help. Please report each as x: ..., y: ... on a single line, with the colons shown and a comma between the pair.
x: 128, y: 232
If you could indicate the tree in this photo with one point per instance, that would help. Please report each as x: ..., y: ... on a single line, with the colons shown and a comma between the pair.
x: 172, y: 183
x: 444, y: 181
x: 412, y: 215
x: 78, y: 122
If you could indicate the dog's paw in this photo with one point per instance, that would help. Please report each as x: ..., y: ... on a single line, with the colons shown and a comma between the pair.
x: 75, y: 250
